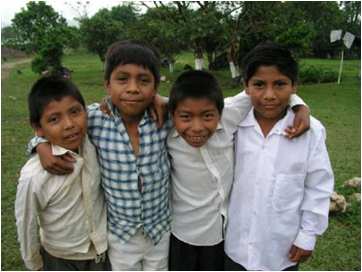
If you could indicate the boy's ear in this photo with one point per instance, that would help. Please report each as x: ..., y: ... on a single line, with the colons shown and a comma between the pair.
x: 294, y: 90
x: 246, y: 87
x: 106, y: 86
x: 38, y: 130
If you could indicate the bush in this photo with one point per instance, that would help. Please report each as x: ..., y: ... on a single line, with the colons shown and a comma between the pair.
x: 313, y: 74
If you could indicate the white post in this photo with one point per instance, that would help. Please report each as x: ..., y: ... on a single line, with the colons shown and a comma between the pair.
x: 234, y: 69
x: 170, y: 67
x: 340, y: 67
x: 199, y: 64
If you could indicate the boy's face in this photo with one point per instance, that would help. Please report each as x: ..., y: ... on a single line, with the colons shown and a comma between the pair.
x: 269, y: 91
x: 132, y: 89
x: 64, y: 123
x: 196, y: 119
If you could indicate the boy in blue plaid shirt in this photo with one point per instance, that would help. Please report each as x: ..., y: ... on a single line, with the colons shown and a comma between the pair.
x: 133, y: 159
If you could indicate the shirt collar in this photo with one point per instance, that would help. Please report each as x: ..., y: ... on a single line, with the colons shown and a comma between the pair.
x: 175, y: 133
x: 278, y: 128
x: 58, y: 151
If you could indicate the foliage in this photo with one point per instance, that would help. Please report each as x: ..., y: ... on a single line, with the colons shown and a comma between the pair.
x: 160, y: 30
x: 41, y: 30
x: 106, y: 27
x: 316, y: 74
x: 33, y: 24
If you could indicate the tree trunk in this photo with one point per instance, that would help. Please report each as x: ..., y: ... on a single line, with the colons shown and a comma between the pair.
x: 170, y: 66
x: 199, y: 64
x: 234, y: 69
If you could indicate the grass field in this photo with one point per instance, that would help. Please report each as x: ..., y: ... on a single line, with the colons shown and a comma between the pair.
x: 337, y: 107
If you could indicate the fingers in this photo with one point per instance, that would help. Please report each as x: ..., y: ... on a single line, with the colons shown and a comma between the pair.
x: 292, y: 252
x: 68, y: 158
x: 298, y: 254
x: 104, y: 107
x: 290, y: 132
x: 59, y: 165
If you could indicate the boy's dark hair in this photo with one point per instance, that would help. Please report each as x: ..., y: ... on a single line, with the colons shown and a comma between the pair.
x: 46, y: 90
x: 270, y: 54
x: 196, y: 84
x: 132, y: 52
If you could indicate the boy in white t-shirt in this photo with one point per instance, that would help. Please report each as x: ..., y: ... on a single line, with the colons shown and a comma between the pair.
x: 280, y: 197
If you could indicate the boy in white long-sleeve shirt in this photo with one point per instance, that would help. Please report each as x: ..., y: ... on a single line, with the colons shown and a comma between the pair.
x: 61, y: 220
x: 280, y: 197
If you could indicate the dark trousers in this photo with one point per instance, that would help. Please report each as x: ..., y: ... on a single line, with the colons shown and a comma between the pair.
x: 230, y: 265
x: 184, y: 256
x: 52, y: 263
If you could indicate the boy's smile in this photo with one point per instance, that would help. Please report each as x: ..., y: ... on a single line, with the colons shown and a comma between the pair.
x: 269, y: 91
x: 196, y: 119
x: 64, y: 123
x: 132, y: 89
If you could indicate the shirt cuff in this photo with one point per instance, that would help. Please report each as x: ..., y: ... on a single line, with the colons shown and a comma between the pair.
x: 305, y: 241
x: 35, y: 263
x: 295, y: 100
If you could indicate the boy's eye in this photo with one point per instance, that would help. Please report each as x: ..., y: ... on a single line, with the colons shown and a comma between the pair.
x: 53, y: 119
x: 280, y: 83
x: 209, y: 116
x: 258, y: 84
x: 75, y: 110
x: 145, y: 80
x: 184, y: 116
x: 122, y: 78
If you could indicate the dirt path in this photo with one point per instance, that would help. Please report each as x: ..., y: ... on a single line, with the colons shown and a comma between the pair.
x: 7, y: 66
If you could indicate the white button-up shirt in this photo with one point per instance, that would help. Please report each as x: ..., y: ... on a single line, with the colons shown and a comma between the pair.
x: 280, y: 194
x: 64, y: 214
x: 201, y: 178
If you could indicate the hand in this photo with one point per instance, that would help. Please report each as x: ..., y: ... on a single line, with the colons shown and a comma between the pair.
x: 104, y: 107
x: 159, y: 110
x: 56, y: 165
x: 298, y: 255
x: 301, y: 122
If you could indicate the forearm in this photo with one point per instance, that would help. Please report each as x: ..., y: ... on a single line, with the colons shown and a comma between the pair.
x: 27, y: 226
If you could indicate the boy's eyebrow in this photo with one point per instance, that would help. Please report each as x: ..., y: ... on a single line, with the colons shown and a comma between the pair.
x: 189, y: 111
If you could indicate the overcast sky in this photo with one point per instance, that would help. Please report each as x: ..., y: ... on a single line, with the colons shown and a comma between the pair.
x: 63, y: 7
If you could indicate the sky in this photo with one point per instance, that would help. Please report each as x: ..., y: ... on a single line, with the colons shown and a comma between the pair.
x: 63, y: 7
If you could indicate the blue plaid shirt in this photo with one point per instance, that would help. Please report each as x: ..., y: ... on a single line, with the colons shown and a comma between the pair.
x: 136, y: 188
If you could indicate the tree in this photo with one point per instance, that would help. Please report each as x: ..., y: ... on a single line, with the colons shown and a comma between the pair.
x: 35, y: 22
x: 8, y: 38
x: 159, y: 29
x: 43, y: 31
x: 106, y: 27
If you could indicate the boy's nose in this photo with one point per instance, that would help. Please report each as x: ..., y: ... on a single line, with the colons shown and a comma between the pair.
x: 132, y: 86
x: 269, y: 93
x: 68, y: 122
x: 196, y: 125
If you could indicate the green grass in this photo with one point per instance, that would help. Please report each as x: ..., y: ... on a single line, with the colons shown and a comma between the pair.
x: 336, y: 106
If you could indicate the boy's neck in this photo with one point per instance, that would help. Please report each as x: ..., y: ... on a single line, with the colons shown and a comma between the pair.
x: 267, y: 124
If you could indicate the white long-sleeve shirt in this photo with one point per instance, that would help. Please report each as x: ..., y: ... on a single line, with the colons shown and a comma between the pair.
x: 64, y: 214
x: 280, y: 194
x: 201, y: 178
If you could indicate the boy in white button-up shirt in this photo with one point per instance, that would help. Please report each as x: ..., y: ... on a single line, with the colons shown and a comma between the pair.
x: 61, y: 220
x: 201, y: 154
x: 280, y: 197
